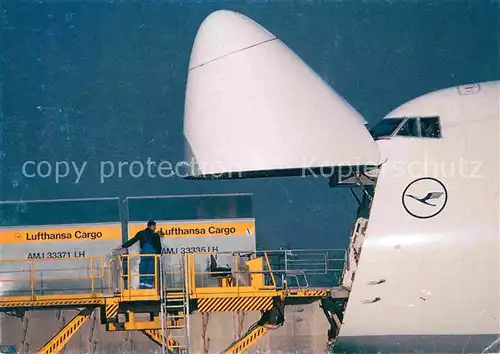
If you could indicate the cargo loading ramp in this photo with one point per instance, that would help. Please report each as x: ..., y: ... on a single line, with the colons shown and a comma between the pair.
x: 261, y: 281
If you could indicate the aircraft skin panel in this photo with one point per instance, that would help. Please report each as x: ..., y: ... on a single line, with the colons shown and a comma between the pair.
x: 456, y: 105
x: 262, y: 108
x: 441, y: 272
x: 216, y: 37
x: 425, y: 343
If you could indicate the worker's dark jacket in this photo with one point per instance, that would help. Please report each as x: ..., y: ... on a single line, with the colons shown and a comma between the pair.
x: 143, y: 236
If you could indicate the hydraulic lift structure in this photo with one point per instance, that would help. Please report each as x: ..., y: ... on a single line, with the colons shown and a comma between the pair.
x: 261, y: 281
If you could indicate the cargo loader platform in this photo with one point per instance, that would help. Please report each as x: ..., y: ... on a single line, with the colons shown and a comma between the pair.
x: 259, y: 281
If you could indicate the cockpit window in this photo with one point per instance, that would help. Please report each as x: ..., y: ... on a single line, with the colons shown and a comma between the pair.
x: 409, y: 128
x: 418, y: 127
x: 430, y: 127
x: 385, y: 127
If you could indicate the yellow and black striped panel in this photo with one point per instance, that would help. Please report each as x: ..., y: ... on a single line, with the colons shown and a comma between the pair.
x: 50, y: 303
x: 318, y: 293
x: 62, y: 338
x: 309, y: 293
x: 112, y: 310
x: 235, y: 304
x: 249, y: 340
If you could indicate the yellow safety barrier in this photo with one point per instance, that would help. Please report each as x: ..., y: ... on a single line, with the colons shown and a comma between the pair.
x: 93, y: 264
x: 128, y: 275
x: 126, y: 289
x: 243, y: 278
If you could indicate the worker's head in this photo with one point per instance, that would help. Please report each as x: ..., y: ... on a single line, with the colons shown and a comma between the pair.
x: 152, y: 225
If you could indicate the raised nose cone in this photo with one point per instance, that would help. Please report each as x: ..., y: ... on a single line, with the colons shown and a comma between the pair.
x: 225, y: 32
x: 253, y: 108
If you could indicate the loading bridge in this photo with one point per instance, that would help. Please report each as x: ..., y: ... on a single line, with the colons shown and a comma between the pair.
x: 264, y: 281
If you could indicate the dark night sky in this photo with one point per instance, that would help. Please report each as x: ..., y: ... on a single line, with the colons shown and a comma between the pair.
x: 88, y: 81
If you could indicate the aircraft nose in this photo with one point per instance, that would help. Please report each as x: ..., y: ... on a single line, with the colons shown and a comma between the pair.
x: 224, y: 32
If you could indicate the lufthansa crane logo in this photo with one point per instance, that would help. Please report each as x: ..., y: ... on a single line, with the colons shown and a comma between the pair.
x: 425, y: 197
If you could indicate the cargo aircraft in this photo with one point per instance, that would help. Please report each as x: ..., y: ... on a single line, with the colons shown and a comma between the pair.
x: 424, y: 269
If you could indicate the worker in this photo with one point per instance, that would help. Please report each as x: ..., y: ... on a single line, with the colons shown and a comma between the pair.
x: 150, y: 245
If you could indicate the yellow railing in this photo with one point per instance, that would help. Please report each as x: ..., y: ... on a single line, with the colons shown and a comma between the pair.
x: 263, y: 270
x: 188, y: 270
x: 127, y: 274
x: 33, y: 267
x: 231, y: 273
x: 241, y: 276
x: 127, y: 262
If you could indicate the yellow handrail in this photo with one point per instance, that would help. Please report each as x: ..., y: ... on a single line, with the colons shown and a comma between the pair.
x: 270, y: 269
x: 32, y: 279
x: 32, y: 269
x: 127, y: 276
